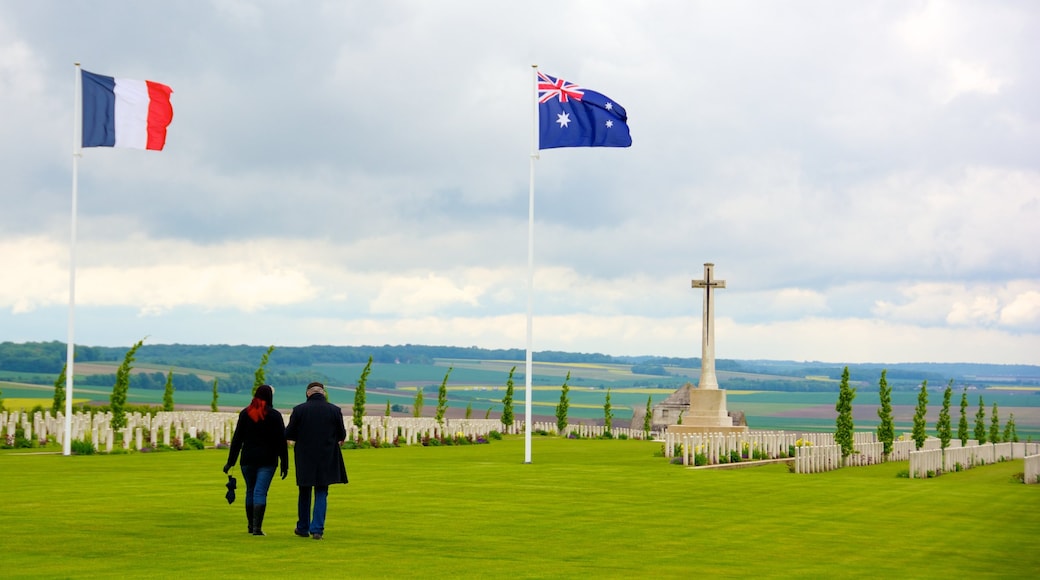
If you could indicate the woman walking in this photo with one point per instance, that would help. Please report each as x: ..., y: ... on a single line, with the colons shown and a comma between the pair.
x: 260, y: 436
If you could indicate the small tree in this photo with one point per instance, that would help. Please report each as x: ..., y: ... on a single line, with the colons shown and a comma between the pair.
x: 487, y: 413
x: 59, y: 392
x: 167, y: 398
x: 442, y: 398
x: 387, y: 412
x: 507, y: 402
x: 563, y: 405
x: 942, y: 425
x: 994, y: 425
x: 648, y: 417
x: 919, y: 434
x: 2, y: 401
x: 980, y: 422
x: 260, y: 376
x: 469, y: 410
x: 1010, y: 436
x: 886, y: 432
x: 844, y: 426
x: 359, y: 395
x: 418, y: 405
x: 117, y: 399
x: 608, y: 415
x: 213, y: 404
x: 962, y: 425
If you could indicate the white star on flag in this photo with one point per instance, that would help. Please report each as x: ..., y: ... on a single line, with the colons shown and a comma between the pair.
x: 610, y: 123
x: 610, y: 106
x: 563, y: 119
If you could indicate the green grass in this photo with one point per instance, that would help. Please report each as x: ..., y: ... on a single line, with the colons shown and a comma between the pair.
x: 584, y: 508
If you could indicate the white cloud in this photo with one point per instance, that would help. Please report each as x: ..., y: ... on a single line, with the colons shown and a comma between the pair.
x: 417, y: 295
x: 1023, y: 310
x: 971, y: 77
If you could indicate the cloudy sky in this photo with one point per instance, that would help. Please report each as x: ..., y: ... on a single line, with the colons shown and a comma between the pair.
x: 865, y: 177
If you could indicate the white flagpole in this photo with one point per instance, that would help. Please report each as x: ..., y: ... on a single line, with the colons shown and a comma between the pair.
x: 77, y: 152
x: 530, y: 270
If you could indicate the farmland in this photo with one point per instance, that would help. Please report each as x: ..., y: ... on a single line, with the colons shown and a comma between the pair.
x: 480, y: 385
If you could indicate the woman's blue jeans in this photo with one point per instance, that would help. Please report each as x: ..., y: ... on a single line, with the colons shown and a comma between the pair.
x: 258, y: 481
x: 313, y: 524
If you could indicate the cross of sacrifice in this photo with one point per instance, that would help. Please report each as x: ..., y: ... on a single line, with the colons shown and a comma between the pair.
x: 708, y: 380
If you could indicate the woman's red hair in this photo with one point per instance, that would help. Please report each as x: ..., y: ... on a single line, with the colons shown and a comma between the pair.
x: 257, y: 410
x: 262, y: 399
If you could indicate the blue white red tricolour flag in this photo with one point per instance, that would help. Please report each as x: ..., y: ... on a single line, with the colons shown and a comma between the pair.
x: 572, y: 116
x: 125, y: 113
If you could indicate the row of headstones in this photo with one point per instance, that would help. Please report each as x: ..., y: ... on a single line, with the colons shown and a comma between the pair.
x: 591, y: 431
x: 413, y: 430
x: 935, y: 462
x: 97, y: 427
x: 817, y: 459
x: 144, y: 430
x: 809, y: 459
x: 769, y: 444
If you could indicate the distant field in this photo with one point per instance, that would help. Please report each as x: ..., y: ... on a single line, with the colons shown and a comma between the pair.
x: 110, y: 368
x: 480, y: 385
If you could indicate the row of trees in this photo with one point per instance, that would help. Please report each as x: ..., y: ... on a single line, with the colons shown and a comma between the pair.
x: 943, y: 426
x: 118, y: 398
x: 506, y: 418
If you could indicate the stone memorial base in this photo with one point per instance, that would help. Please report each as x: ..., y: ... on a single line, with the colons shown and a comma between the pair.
x: 706, y: 414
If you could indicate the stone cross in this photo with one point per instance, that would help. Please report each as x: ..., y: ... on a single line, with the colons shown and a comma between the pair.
x: 708, y: 380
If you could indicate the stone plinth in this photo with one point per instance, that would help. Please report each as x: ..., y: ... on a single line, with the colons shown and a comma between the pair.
x: 706, y: 414
x: 702, y: 410
x: 707, y: 409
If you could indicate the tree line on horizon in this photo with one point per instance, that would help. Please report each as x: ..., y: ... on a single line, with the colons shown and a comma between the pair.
x: 293, y: 365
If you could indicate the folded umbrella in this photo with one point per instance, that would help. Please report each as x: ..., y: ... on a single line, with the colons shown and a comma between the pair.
x: 231, y: 485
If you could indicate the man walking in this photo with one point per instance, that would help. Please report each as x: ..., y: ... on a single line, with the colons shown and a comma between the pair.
x: 316, y: 428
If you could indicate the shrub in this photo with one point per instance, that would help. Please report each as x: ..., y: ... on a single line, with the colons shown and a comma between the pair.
x: 734, y: 456
x: 903, y: 473
x: 193, y: 443
x: 495, y: 435
x: 81, y: 447
x: 700, y: 459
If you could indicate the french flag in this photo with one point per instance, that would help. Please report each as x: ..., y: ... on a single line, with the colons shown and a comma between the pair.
x: 125, y: 113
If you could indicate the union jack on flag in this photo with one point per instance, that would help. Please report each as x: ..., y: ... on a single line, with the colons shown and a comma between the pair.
x: 549, y: 88
x: 572, y: 116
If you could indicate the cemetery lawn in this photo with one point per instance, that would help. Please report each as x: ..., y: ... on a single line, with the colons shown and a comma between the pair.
x: 581, y: 509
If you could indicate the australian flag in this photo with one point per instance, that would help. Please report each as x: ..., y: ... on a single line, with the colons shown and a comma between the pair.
x: 571, y: 116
